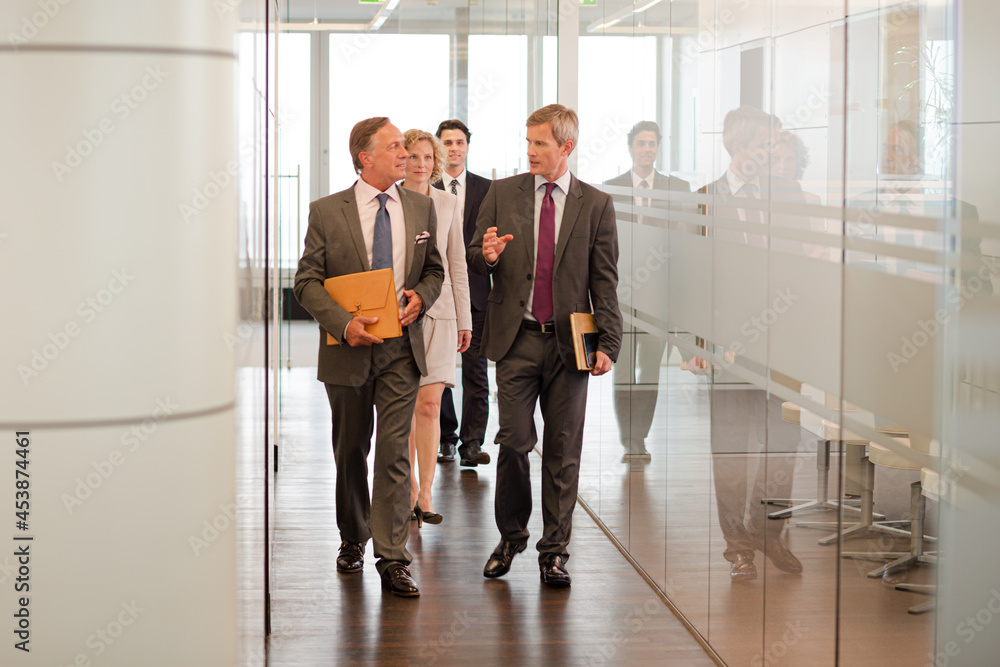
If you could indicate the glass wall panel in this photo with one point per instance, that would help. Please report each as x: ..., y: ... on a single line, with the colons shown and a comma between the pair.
x: 808, y: 253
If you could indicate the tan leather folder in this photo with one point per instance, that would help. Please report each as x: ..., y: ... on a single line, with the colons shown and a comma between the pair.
x: 584, y: 331
x: 367, y: 294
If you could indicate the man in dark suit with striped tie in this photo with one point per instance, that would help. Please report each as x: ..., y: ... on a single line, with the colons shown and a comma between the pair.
x: 470, y: 190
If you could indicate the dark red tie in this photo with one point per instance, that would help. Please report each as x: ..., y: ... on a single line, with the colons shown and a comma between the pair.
x: 541, y: 304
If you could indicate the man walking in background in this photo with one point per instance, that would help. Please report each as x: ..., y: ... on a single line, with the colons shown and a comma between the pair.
x: 470, y: 190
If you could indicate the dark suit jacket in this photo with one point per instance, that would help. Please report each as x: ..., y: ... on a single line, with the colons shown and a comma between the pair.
x: 660, y: 182
x: 726, y: 207
x: 476, y: 188
x: 585, y: 272
x: 335, y: 246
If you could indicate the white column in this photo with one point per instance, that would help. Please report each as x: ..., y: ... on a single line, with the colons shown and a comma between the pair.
x: 117, y: 249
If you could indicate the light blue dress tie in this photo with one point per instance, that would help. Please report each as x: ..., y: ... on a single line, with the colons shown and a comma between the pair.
x: 382, y: 242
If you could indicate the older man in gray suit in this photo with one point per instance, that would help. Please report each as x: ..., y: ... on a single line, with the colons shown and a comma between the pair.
x: 551, y: 245
x: 372, y: 225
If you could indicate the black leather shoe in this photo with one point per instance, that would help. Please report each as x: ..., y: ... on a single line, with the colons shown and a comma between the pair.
x: 553, y: 571
x: 447, y: 452
x: 473, y: 455
x: 743, y: 569
x: 499, y: 563
x: 351, y: 558
x: 398, y: 580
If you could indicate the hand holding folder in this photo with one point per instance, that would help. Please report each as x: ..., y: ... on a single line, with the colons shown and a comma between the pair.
x: 367, y: 294
x: 584, y: 331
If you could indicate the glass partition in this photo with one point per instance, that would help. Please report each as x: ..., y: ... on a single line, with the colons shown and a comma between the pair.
x: 808, y: 249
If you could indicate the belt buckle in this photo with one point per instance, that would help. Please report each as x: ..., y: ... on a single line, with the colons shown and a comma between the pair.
x: 548, y: 327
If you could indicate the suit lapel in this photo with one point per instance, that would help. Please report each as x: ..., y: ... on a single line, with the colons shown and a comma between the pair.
x: 574, y: 204
x: 349, y: 207
x: 527, y: 221
x: 410, y: 222
x: 467, y: 208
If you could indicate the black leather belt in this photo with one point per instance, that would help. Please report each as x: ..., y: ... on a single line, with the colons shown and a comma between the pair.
x: 531, y: 325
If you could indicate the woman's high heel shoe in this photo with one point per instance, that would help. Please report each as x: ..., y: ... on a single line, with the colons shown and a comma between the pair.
x: 426, y: 517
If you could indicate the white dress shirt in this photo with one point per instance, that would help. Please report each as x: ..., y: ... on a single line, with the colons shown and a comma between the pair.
x: 447, y: 178
x: 559, y: 198
x: 367, y: 199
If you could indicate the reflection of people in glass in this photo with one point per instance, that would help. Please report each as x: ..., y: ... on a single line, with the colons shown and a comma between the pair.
x: 642, y: 353
x: 789, y: 159
x: 447, y: 324
x: 749, y: 136
x: 740, y: 458
x: 739, y: 416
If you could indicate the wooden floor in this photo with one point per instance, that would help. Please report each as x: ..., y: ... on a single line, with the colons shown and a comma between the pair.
x: 609, y: 616
x: 663, y: 513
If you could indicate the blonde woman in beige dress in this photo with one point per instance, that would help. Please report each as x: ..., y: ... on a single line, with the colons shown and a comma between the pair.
x: 447, y: 324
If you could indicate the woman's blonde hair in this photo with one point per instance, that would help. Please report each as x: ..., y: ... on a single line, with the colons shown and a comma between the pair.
x: 411, y: 137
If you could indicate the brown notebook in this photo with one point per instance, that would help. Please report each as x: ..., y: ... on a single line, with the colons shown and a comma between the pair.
x: 584, y: 331
x: 367, y: 294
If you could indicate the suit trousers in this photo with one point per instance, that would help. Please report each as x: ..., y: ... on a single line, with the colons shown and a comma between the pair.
x: 635, y: 397
x: 475, y: 393
x: 532, y: 371
x: 391, y: 391
x: 744, y: 472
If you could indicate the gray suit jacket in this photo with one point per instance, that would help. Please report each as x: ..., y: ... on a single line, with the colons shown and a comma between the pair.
x: 585, y: 273
x: 335, y: 246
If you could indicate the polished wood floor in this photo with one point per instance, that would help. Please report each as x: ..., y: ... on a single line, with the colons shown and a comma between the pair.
x: 610, y: 615
x: 663, y: 513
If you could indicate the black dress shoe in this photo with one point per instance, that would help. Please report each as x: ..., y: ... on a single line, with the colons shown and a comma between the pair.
x: 351, y: 558
x: 396, y: 577
x: 447, y: 452
x: 499, y: 563
x: 553, y: 572
x: 473, y: 455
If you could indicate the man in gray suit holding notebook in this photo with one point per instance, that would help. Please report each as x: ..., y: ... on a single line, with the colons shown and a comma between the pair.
x: 372, y: 225
x: 551, y: 245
